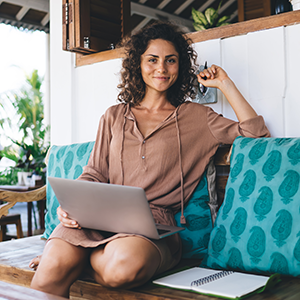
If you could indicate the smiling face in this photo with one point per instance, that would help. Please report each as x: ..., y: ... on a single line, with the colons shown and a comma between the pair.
x: 159, y: 66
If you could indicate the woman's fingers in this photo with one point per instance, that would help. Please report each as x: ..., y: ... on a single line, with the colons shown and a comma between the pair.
x: 65, y: 220
x: 208, y: 73
x: 212, y: 76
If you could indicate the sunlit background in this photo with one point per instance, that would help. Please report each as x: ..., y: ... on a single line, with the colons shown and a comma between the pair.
x: 21, y: 52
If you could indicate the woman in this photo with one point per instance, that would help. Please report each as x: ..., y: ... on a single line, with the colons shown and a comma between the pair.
x: 154, y: 139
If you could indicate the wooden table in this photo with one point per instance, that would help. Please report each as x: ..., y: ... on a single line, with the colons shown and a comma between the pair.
x: 20, y: 189
x: 10, y: 291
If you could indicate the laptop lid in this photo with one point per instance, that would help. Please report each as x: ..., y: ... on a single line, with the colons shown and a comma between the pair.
x: 108, y: 207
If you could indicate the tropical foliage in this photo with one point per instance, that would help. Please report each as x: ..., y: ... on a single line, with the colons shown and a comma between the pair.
x: 209, y: 19
x: 30, y: 150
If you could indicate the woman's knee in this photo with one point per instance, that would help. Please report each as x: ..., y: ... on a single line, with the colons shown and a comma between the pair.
x: 49, y: 273
x: 61, y: 263
x: 122, y: 271
x: 118, y: 265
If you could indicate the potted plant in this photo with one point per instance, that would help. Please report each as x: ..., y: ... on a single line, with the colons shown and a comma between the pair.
x: 209, y: 19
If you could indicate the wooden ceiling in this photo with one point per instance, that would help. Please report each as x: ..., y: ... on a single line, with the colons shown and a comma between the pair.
x: 27, y: 14
x: 34, y: 14
x: 142, y: 11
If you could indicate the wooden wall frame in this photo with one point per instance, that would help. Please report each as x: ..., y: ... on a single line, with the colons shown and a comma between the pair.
x: 90, y: 26
x: 284, y: 19
x: 252, y: 9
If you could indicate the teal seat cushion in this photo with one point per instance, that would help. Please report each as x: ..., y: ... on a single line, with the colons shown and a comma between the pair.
x: 257, y: 227
x: 199, y: 214
x: 65, y: 162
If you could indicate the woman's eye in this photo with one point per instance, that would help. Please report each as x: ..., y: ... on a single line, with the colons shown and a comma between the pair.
x: 171, y: 60
x: 152, y: 60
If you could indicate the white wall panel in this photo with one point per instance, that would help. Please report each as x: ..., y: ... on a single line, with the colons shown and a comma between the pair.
x: 96, y: 90
x: 266, y: 65
x: 210, y: 51
x: 292, y: 100
x: 235, y: 63
x: 61, y: 72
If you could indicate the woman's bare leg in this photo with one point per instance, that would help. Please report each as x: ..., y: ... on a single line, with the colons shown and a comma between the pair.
x: 59, y: 266
x: 125, y: 262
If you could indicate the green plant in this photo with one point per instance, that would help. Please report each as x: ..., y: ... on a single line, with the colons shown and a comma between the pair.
x: 9, y: 176
x: 30, y: 150
x: 209, y: 19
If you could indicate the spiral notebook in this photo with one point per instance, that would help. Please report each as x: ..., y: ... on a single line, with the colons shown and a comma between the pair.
x: 224, y: 284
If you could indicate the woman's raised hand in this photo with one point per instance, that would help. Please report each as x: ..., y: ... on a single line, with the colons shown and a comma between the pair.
x: 216, y: 77
x: 65, y: 220
x: 213, y: 76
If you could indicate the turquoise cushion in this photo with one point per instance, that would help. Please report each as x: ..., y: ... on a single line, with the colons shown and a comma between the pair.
x: 199, y: 221
x: 65, y: 162
x: 257, y: 227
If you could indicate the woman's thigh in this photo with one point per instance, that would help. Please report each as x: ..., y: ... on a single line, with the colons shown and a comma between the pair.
x: 60, y: 265
x: 125, y: 262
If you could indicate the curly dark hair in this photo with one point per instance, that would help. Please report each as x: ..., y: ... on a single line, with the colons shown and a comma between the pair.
x: 133, y: 86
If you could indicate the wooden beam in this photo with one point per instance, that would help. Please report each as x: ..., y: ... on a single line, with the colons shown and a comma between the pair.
x: 41, y: 5
x: 147, y: 19
x: 182, y: 7
x: 82, y: 60
x: 153, y: 13
x: 226, y: 5
x: 45, y: 19
x: 233, y: 15
x: 205, y: 5
x: 284, y: 19
x: 140, y: 25
x: 22, y: 12
x: 163, y: 4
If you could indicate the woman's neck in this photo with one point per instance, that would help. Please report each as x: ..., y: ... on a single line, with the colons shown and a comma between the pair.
x: 156, y: 101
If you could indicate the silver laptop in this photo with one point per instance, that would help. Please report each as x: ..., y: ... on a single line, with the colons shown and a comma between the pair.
x: 109, y: 207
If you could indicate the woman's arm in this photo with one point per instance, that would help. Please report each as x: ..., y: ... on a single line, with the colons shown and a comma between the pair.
x: 218, y: 78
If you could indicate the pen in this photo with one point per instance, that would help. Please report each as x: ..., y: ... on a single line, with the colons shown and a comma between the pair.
x: 203, y: 88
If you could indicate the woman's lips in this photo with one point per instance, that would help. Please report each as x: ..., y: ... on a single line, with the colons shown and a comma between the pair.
x: 162, y: 77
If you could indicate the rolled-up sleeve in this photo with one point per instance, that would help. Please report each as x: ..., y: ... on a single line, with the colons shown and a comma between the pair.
x: 226, y: 130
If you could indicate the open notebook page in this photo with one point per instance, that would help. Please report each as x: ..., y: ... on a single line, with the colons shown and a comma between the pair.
x: 231, y: 286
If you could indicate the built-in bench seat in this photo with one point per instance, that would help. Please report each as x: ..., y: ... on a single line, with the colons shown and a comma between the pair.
x: 15, y: 256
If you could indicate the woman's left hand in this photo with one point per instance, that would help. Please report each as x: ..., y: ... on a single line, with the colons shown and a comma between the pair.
x: 215, y: 76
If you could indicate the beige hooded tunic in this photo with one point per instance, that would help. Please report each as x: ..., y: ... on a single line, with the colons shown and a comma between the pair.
x: 167, y: 164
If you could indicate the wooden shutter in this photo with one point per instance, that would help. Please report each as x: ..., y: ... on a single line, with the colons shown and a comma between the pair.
x: 252, y: 9
x: 91, y: 26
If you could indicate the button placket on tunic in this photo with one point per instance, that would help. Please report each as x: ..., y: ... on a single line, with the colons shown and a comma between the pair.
x: 143, y: 155
x: 144, y: 140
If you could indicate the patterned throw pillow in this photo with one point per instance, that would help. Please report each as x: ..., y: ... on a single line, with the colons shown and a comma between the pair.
x: 65, y: 162
x: 257, y: 227
x: 199, y: 214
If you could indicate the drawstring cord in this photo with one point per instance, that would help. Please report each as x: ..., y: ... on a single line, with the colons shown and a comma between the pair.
x: 122, y: 148
x: 182, y: 217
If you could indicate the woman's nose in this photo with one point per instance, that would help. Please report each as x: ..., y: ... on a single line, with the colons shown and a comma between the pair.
x: 162, y: 67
